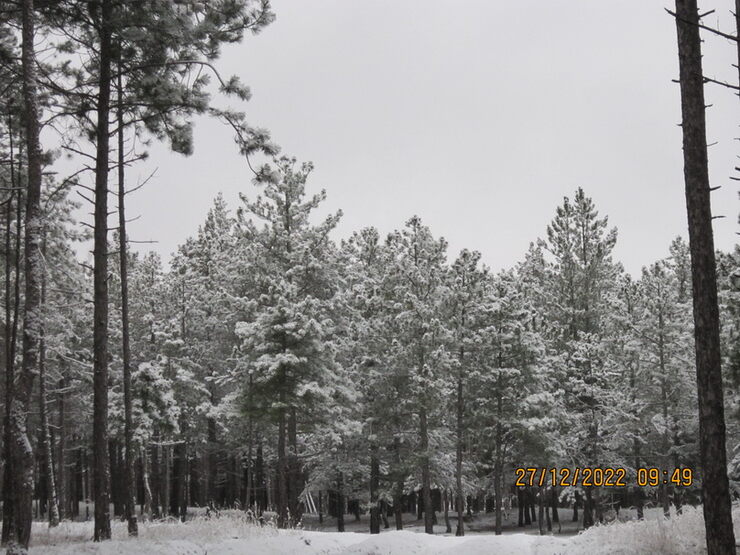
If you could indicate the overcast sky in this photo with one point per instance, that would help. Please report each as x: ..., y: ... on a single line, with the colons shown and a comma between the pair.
x: 479, y: 116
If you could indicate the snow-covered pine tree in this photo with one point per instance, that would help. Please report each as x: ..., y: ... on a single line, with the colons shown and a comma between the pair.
x: 289, y: 340
x: 665, y: 354
x: 418, y: 268
x: 581, y: 276
x: 466, y: 291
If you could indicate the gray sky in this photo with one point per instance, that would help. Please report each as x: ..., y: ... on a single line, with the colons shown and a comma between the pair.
x: 479, y: 116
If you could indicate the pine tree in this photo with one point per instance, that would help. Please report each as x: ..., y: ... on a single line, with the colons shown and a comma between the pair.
x: 581, y: 279
x: 466, y: 296
x: 715, y: 486
x: 288, y: 341
x: 22, y: 454
x: 418, y: 268
x: 665, y: 334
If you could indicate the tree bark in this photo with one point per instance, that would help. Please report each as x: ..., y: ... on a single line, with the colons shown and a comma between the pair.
x: 8, y: 355
x: 374, y: 487
x: 48, y: 451
x: 713, y: 455
x: 554, y: 501
x: 588, y: 509
x: 21, y: 458
x: 260, y: 486
x: 166, y: 480
x: 446, y: 502
x: 499, y: 455
x: 101, y: 470
x: 398, y: 490
x: 295, y: 486
x: 541, y: 511
x: 532, y: 502
x: 129, y: 477
x: 146, y: 482
x: 340, y: 503
x: 497, y: 496
x: 248, y: 502
x: 62, y: 450
x: 426, y: 475
x: 460, y: 531
x: 211, y: 459
x: 157, y: 478
x: 282, y: 486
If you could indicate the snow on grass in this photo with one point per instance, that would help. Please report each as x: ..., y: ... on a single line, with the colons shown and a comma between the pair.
x: 233, y: 533
x: 679, y: 535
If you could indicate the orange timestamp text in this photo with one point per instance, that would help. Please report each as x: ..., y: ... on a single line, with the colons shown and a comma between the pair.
x: 597, y: 476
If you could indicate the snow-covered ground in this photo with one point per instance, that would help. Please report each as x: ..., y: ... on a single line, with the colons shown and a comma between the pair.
x: 232, y: 535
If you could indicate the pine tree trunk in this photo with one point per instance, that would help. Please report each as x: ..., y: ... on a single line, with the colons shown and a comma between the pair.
x: 79, y: 481
x: 499, y: 456
x: 282, y: 485
x: 129, y: 477
x: 340, y: 503
x: 446, y: 502
x: 294, y: 470
x: 576, y: 502
x: 520, y: 507
x: 73, y: 497
x: 16, y: 303
x: 166, y: 480
x: 48, y: 451
x: 62, y: 450
x: 21, y: 458
x: 183, y: 481
x: 554, y: 501
x: 636, y: 452
x: 460, y: 530
x: 713, y: 455
x: 541, y: 512
x: 249, y: 501
x: 8, y: 355
x: 532, y: 503
x: 178, y: 499
x: 426, y: 475
x: 374, y: 487
x: 665, y: 502
x: 260, y: 489
x: 677, y: 491
x: 497, y: 493
x: 588, y: 509
x: 211, y: 458
x: 147, y: 486
x: 398, y: 490
x: 639, y: 504
x: 101, y: 471
x: 113, y: 464
x: 156, y: 478
x: 174, y: 508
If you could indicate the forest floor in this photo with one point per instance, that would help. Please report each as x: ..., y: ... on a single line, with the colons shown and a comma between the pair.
x: 481, y: 523
x: 232, y: 534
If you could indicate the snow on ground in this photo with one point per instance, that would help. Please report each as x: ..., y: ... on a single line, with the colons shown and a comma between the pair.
x: 232, y: 534
x: 294, y: 542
